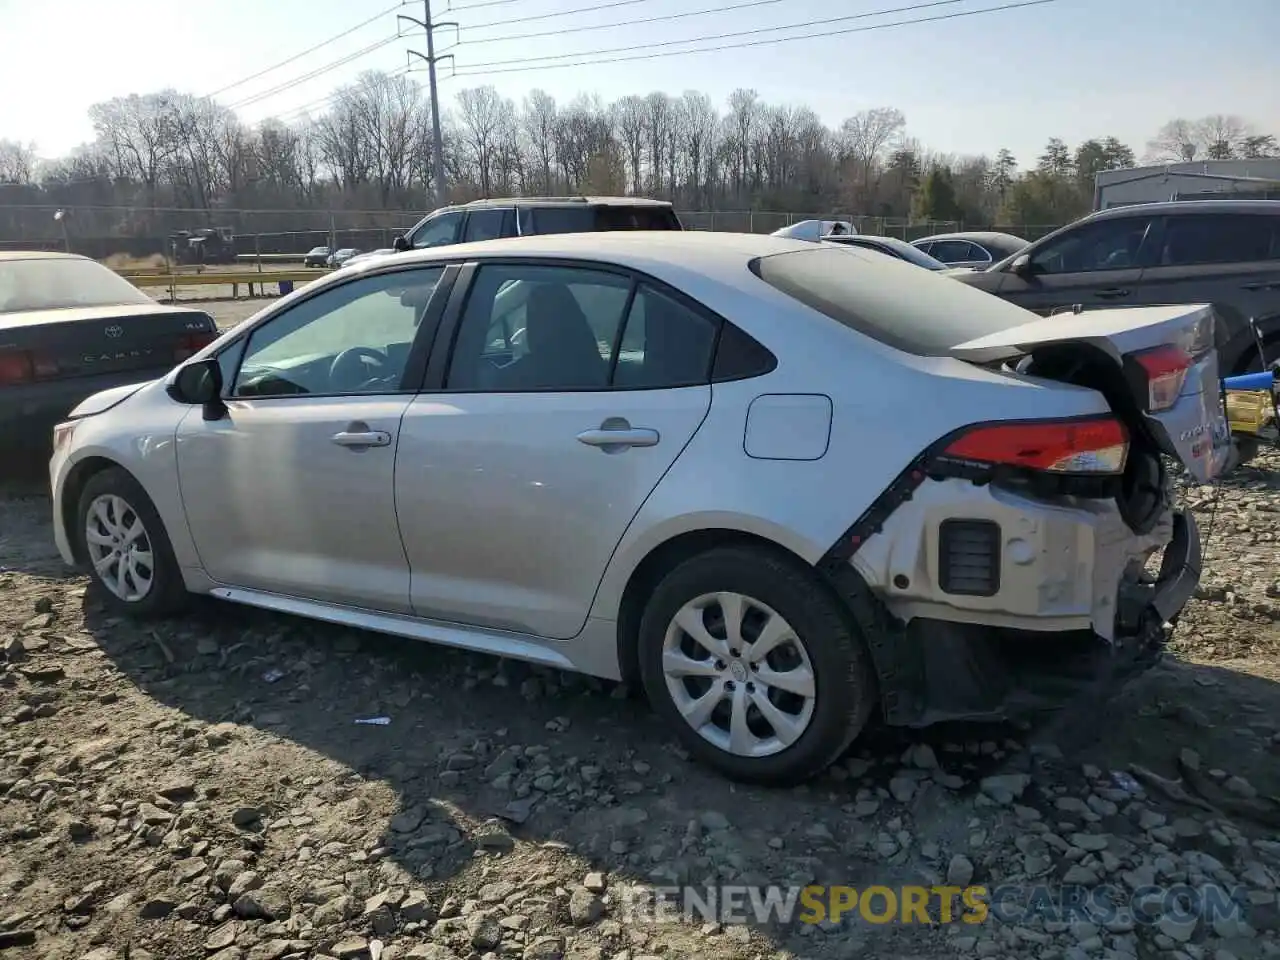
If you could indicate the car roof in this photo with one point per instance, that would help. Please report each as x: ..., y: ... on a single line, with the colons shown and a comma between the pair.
x: 978, y: 236
x: 39, y: 255
x: 1165, y: 207
x: 558, y: 202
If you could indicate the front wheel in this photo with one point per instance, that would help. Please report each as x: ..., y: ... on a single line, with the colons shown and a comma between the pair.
x: 129, y: 553
x: 756, y: 665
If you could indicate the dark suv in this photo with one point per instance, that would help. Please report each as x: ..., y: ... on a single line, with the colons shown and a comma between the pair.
x: 491, y: 219
x: 1223, y: 252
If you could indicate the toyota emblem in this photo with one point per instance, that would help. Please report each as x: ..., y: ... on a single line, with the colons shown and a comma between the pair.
x: 114, y: 332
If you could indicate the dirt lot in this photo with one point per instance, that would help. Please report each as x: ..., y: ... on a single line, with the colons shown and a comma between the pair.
x: 201, y: 789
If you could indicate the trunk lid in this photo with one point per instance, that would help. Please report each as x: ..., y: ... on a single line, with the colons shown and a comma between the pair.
x: 1143, y: 344
x: 40, y: 345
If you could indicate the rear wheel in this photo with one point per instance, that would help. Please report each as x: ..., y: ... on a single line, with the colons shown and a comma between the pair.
x: 756, y: 665
x: 129, y: 553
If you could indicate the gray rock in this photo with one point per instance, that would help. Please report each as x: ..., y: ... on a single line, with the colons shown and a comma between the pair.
x: 585, y: 907
x: 484, y: 931
x: 156, y: 908
x: 959, y: 871
x: 267, y: 903
x: 546, y: 948
x: 408, y: 820
x: 902, y: 789
x: 1005, y: 787
x: 351, y: 948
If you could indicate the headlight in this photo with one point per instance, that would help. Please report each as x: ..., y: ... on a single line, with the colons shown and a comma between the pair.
x: 62, y: 434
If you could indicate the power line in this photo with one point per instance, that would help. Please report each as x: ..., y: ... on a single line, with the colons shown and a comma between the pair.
x: 309, y: 50
x: 450, y: 8
x: 754, y: 32
x: 522, y: 65
x: 318, y: 71
x: 507, y: 21
x: 625, y: 23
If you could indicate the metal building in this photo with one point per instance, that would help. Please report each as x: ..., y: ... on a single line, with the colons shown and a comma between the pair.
x: 1198, y: 180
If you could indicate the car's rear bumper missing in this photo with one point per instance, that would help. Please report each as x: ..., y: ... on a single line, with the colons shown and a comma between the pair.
x: 935, y: 668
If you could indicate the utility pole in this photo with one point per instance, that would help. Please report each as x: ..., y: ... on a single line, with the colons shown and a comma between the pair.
x: 437, y: 142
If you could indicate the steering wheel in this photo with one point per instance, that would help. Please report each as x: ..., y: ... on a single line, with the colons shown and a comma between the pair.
x: 352, y: 369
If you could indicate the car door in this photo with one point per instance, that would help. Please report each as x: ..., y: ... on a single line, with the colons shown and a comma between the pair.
x: 1097, y: 264
x: 1231, y: 260
x: 292, y: 491
x: 489, y: 223
x: 438, y: 231
x: 567, y: 393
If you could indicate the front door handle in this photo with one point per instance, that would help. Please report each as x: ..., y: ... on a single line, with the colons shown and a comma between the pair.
x: 362, y: 438
x: 1112, y: 294
x: 616, y: 435
x: 1259, y: 286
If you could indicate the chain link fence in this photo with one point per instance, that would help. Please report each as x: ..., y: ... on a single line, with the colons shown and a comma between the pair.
x: 137, y: 237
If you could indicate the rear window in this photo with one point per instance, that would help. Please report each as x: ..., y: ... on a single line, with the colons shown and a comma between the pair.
x: 54, y: 283
x: 896, y: 303
x: 594, y: 219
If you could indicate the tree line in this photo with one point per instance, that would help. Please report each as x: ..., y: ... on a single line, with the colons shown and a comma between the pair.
x: 370, y: 151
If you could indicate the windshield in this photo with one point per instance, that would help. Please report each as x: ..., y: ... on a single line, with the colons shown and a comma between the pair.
x: 54, y: 283
x: 889, y: 300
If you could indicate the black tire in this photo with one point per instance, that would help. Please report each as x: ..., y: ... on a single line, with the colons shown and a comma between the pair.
x: 167, y: 594
x: 845, y: 686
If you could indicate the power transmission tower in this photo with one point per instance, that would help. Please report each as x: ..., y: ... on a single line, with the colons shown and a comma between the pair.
x: 437, y: 142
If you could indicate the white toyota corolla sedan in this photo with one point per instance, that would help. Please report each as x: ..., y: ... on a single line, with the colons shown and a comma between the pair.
x: 777, y: 484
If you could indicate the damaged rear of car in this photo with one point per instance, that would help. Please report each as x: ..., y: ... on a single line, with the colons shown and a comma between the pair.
x: 1016, y: 562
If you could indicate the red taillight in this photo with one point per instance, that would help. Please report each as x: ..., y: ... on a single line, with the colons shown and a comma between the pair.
x: 191, y: 344
x: 1166, y: 369
x: 16, y: 366
x: 1095, y: 446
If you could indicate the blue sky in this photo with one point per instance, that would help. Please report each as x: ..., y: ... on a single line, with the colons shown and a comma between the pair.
x: 1071, y: 68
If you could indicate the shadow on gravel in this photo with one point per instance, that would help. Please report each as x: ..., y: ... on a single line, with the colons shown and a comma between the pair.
x: 480, y: 753
x: 26, y: 545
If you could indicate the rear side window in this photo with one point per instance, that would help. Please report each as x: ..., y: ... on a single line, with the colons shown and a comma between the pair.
x: 486, y: 225
x: 1220, y: 238
x: 893, y: 302
x: 594, y: 219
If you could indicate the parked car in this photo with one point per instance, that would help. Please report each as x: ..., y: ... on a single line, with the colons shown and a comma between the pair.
x: 1224, y: 252
x: 976, y: 250
x: 339, y: 258
x: 317, y: 257
x: 360, y: 257
x: 816, y: 229
x: 632, y: 455
x: 890, y: 246
x: 537, y: 216
x: 69, y: 328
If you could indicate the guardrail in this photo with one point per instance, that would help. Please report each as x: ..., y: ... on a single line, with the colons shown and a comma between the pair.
x: 233, y: 278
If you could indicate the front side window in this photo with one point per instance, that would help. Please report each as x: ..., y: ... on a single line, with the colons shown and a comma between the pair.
x: 1106, y: 245
x: 351, y: 339
x: 438, y: 232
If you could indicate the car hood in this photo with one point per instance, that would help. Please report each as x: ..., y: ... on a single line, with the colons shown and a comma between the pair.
x: 104, y: 400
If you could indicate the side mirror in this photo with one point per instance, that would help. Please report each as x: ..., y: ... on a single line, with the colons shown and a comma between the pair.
x: 401, y: 244
x: 1022, y: 265
x: 200, y: 383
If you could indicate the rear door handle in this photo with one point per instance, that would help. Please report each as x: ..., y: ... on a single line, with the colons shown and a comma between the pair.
x: 1112, y: 294
x: 1260, y: 286
x: 362, y: 438
x: 619, y: 438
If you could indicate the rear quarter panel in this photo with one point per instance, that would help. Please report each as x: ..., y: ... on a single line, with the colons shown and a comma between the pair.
x: 887, y: 408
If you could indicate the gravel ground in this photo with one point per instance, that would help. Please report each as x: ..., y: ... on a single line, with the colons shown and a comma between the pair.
x: 201, y: 789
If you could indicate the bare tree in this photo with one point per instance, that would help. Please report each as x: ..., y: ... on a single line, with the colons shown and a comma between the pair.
x: 539, y: 122
x: 1177, y: 141
x: 17, y: 162
x: 630, y: 120
x: 865, y: 140
x: 482, y: 114
x: 1222, y: 136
